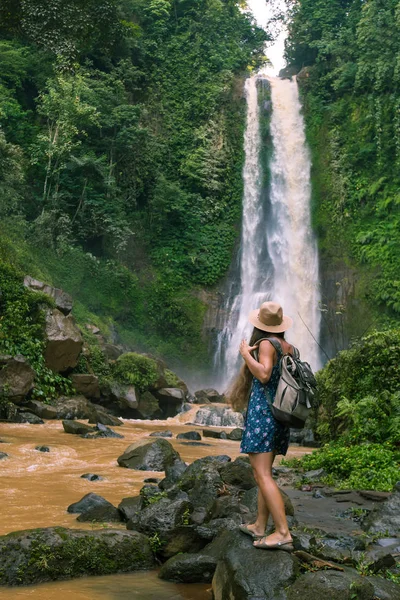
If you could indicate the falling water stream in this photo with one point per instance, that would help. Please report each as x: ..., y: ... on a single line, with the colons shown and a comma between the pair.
x: 278, y: 252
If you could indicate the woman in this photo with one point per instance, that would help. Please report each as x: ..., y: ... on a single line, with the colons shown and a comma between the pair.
x: 263, y: 436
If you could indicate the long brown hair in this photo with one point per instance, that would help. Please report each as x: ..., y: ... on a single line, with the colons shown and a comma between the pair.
x: 238, y: 393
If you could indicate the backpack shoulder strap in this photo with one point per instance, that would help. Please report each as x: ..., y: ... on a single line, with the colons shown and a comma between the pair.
x: 296, y: 353
x: 274, y: 343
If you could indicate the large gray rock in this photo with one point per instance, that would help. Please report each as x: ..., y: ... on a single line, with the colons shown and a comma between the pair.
x: 170, y: 401
x: 161, y: 518
x: 62, y: 300
x: 74, y: 407
x: 218, y: 416
x: 63, y: 341
x: 189, y: 435
x: 86, y: 384
x: 384, y: 589
x: 132, y: 404
x: 101, y: 514
x: 385, y: 517
x: 202, y: 481
x: 150, y: 456
x: 77, y: 428
x: 42, y: 410
x: 126, y: 396
x: 245, y: 573
x: 129, y: 507
x: 334, y: 585
x: 208, y: 395
x: 88, y: 502
x: 28, y: 417
x: 173, y: 474
x: 16, y: 378
x: 100, y: 415
x: 238, y: 473
x: 189, y: 568
x: 39, y: 555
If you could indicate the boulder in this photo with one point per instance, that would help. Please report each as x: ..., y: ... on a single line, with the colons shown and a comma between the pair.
x: 218, y: 416
x: 304, y: 437
x: 185, y: 538
x: 202, y: 481
x: 236, y: 434
x: 195, y: 444
x: 244, y: 572
x: 155, y: 480
x: 28, y: 417
x: 189, y: 568
x: 150, y: 493
x: 102, y: 417
x: 126, y: 396
x: 86, y: 384
x: 66, y: 553
x: 334, y: 585
x: 3, y: 455
x: 62, y: 300
x: 77, y: 428
x: 150, y: 456
x: 173, y: 474
x: 74, y: 407
x: 170, y: 401
x: 112, y: 351
x: 226, y: 506
x: 129, y: 507
x: 102, y: 431
x: 88, y: 502
x: 208, y: 395
x: 148, y: 407
x: 132, y: 404
x: 42, y: 410
x: 63, y: 341
x: 189, y: 435
x: 16, y: 378
x: 219, y: 435
x: 101, y: 514
x: 209, y: 531
x: 384, y: 589
x: 161, y: 518
x: 92, y: 477
x: 162, y: 434
x: 238, y: 473
x: 385, y: 516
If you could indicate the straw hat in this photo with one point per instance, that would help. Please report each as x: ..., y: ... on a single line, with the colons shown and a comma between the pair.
x: 269, y: 317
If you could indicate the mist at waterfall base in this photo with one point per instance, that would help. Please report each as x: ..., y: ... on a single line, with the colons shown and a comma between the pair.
x: 278, y: 253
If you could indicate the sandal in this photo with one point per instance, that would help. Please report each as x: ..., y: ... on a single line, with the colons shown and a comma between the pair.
x: 247, y: 531
x: 287, y: 546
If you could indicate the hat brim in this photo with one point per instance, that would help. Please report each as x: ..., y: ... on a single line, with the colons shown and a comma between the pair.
x: 286, y: 324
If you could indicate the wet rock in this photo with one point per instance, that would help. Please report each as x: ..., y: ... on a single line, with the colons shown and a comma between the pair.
x: 245, y: 573
x: 219, y: 435
x: 42, y: 410
x: 155, y: 480
x: 70, y: 553
x: 92, y: 477
x: 189, y: 435
x: 3, y: 455
x: 76, y: 428
x: 16, y: 378
x: 74, y: 407
x: 189, y: 568
x: 162, y: 434
x: 225, y: 507
x: 374, y: 496
x: 102, y: 431
x: 88, y: 502
x: 202, y: 481
x: 63, y: 341
x: 209, y: 531
x: 112, y: 351
x: 28, y: 417
x: 198, y: 516
x: 218, y: 416
x: 249, y: 499
x: 334, y: 585
x: 161, y: 518
x: 129, y: 507
x: 173, y: 474
x: 238, y: 473
x: 102, y: 417
x: 170, y: 400
x: 315, y: 475
x: 184, y: 539
x: 148, y: 407
x: 208, y: 395
x: 150, y: 493
x: 126, y: 396
x: 101, y: 514
x: 236, y: 434
x: 384, y: 589
x: 386, y: 515
x: 62, y: 300
x: 86, y: 384
x: 42, y: 448
x: 186, y: 407
x: 195, y: 444
x: 151, y: 456
x: 385, y: 542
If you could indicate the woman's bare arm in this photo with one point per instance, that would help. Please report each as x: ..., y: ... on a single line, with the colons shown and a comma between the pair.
x: 261, y: 370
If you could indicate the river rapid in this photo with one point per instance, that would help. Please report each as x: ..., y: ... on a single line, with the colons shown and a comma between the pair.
x: 37, y: 487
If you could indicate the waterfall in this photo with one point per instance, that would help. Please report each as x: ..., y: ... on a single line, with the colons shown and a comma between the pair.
x: 278, y: 252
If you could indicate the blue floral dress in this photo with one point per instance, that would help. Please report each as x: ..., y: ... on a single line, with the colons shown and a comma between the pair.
x: 262, y: 432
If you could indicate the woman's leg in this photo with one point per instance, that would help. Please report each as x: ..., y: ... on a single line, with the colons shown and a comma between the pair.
x: 262, y: 467
x: 261, y: 522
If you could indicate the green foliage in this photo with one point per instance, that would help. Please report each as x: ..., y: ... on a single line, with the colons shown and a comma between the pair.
x: 365, y: 466
x: 172, y: 379
x: 357, y: 390
x: 21, y: 331
x: 136, y: 369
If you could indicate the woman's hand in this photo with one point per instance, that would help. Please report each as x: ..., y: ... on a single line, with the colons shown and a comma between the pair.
x: 245, y: 349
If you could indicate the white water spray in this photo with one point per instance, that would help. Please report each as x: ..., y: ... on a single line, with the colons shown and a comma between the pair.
x: 278, y: 255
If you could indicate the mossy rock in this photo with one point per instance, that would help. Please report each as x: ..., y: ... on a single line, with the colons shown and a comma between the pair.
x: 55, y: 553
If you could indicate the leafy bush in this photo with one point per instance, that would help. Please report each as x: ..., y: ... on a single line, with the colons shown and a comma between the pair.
x: 136, y: 369
x: 365, y: 466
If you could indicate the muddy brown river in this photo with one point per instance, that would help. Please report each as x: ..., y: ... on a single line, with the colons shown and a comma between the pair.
x: 37, y: 487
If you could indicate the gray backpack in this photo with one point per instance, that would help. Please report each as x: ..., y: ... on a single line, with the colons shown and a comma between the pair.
x: 296, y: 391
